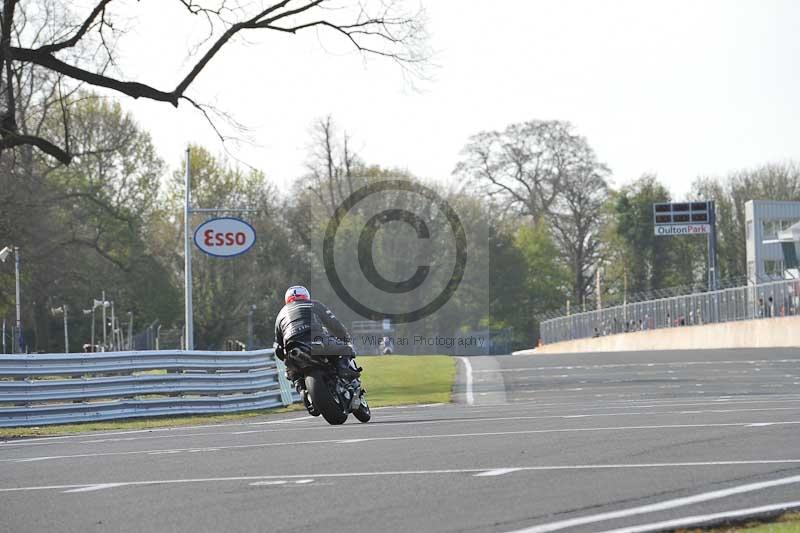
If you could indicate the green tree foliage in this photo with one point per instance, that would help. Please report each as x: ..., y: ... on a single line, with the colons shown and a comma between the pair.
x: 544, y: 169
x: 527, y: 279
x: 80, y: 228
x: 645, y: 259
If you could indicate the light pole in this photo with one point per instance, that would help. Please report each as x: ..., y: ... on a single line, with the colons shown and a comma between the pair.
x: 250, y: 326
x: 63, y: 309
x: 104, y: 304
x: 130, y: 330
x: 113, y: 327
x: 187, y: 257
x: 91, y: 312
x: 4, y: 253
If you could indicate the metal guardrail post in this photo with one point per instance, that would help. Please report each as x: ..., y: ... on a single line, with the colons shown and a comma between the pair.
x: 286, y: 387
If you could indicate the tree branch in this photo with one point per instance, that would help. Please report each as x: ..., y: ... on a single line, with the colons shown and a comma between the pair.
x: 72, y: 41
x: 13, y: 139
x: 130, y: 88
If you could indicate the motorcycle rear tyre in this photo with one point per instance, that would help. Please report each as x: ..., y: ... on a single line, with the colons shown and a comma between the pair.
x: 323, y: 400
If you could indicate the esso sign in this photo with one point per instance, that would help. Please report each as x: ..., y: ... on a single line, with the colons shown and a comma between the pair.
x: 225, y: 237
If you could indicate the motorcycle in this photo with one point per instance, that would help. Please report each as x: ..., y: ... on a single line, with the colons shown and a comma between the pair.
x: 326, y: 391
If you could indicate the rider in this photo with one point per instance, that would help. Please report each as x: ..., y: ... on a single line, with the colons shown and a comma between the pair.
x: 302, y: 320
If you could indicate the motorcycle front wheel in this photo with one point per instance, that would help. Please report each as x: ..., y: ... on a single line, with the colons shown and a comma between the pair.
x: 323, y: 399
x: 362, y: 413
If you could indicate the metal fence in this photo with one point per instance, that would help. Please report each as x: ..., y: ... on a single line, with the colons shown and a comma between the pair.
x: 762, y: 300
x: 43, y: 389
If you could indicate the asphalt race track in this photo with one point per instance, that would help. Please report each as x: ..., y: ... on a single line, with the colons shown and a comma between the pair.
x: 621, y: 442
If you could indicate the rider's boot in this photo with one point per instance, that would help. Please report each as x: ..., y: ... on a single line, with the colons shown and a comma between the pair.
x: 348, y: 368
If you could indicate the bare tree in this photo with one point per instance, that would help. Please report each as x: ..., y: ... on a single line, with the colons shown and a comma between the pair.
x: 576, y: 219
x: 330, y: 165
x: 543, y: 170
x: 524, y: 165
x: 83, y: 49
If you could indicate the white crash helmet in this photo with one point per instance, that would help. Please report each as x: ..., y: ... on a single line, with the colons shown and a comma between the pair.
x: 298, y: 292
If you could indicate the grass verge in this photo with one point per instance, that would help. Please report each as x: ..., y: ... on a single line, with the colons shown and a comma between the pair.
x: 389, y: 380
x: 399, y: 379
x: 788, y: 523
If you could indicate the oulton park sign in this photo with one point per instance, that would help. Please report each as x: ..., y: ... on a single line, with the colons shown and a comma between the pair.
x: 682, y: 229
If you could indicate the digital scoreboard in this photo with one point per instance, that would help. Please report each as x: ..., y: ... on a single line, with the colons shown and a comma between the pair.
x: 682, y: 218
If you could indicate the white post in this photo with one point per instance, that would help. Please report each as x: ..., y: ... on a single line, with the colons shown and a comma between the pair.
x: 130, y: 331
x: 104, y: 322
x: 66, y: 331
x: 599, y: 292
x: 187, y: 258
x: 113, y: 326
x: 93, y: 345
x: 4, y: 335
x: 18, y: 340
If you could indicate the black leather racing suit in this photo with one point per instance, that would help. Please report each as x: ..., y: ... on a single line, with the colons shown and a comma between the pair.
x: 303, y: 321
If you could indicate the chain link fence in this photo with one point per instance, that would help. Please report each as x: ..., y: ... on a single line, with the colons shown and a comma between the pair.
x: 761, y: 300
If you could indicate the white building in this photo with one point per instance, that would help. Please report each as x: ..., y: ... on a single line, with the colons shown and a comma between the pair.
x: 764, y: 220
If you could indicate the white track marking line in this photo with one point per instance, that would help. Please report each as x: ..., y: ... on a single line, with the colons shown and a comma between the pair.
x: 397, y: 437
x: 399, y: 419
x: 287, y: 421
x: 496, y: 472
x: 304, y: 481
x: 470, y: 397
x: 634, y: 365
x: 416, y: 473
x: 263, y: 483
x: 177, y: 432
x: 92, y: 488
x: 660, y: 506
x: 704, y: 519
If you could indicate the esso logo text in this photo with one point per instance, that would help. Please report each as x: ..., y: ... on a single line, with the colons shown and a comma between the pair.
x: 225, y: 237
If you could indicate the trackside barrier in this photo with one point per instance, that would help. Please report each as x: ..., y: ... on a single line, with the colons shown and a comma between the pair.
x: 763, y: 300
x: 42, y: 389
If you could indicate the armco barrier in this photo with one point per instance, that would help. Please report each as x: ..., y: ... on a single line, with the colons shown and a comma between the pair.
x: 58, y: 388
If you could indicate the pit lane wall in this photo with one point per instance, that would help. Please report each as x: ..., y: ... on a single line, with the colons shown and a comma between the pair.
x: 760, y: 333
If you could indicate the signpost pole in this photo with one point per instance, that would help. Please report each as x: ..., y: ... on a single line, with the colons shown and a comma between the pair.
x: 712, y: 247
x: 187, y: 258
x: 712, y: 260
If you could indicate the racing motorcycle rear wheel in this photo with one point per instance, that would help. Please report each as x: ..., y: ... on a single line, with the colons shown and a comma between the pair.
x: 323, y: 399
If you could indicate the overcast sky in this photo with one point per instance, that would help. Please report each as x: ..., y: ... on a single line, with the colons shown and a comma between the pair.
x: 676, y: 88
